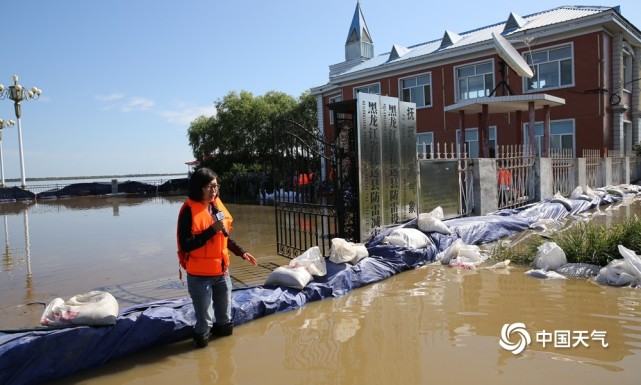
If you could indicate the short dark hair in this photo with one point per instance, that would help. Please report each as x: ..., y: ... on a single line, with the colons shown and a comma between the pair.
x: 199, y: 179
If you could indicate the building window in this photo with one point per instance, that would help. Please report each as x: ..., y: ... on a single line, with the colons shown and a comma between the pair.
x: 475, y: 81
x: 370, y: 89
x: 333, y: 99
x: 472, y: 141
x: 417, y: 90
x: 561, y: 135
x: 424, y: 145
x: 552, y: 68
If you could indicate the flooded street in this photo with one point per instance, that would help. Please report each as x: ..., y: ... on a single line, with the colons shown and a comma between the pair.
x: 431, y: 325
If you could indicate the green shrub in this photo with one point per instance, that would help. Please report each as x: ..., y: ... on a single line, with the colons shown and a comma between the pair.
x: 582, y: 243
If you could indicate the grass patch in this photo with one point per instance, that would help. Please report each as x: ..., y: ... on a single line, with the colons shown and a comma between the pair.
x: 582, y: 243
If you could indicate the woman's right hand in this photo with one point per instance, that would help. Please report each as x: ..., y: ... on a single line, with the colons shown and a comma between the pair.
x: 218, y: 226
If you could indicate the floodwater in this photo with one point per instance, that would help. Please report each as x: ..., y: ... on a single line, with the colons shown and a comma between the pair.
x: 431, y: 325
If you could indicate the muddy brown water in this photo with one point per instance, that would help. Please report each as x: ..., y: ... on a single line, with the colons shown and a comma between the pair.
x: 431, y: 325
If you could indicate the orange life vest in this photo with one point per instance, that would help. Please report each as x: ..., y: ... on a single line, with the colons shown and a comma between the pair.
x: 303, y: 179
x: 505, y: 178
x: 212, y: 259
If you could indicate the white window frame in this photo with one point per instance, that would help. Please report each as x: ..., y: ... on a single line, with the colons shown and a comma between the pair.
x: 487, y: 88
x: 424, y: 144
x: 554, y: 126
x: 417, y: 86
x: 535, y: 67
x: 472, y: 136
x: 330, y: 100
x: 367, y: 88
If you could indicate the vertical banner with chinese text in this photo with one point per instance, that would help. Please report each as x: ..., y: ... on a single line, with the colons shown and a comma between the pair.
x: 409, y: 163
x: 368, y: 112
x: 390, y: 161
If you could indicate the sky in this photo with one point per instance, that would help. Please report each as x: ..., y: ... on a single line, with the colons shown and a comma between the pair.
x: 123, y: 79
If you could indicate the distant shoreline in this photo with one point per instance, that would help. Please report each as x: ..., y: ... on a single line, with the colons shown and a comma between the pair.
x: 95, y: 177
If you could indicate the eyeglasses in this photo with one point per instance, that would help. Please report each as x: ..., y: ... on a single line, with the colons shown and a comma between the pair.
x: 213, y: 186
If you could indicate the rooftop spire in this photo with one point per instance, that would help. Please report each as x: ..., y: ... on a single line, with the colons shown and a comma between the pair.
x: 359, y: 41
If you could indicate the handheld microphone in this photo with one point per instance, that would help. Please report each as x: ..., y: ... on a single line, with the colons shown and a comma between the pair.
x: 220, y: 216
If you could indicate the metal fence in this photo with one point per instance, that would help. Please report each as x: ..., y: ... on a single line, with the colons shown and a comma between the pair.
x: 592, y: 167
x: 515, y: 175
x: 562, y: 166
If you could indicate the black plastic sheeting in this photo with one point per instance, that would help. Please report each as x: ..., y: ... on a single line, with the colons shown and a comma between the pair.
x: 34, y: 356
x: 12, y: 194
x: 128, y: 187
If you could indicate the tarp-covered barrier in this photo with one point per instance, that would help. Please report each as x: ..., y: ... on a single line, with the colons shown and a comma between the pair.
x: 43, y: 355
x: 77, y: 189
x: 173, y: 185
x: 127, y: 187
x: 12, y: 194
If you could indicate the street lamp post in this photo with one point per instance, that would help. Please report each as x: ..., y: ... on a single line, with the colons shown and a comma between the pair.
x: 17, y: 93
x: 3, y: 124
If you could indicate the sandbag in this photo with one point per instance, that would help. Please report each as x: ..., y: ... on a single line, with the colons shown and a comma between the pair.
x: 295, y: 277
x: 94, y: 308
x: 431, y: 222
x: 312, y: 261
x: 343, y: 251
x: 550, y: 256
x: 407, y: 237
x: 558, y: 198
x: 579, y: 270
x: 544, y: 274
x: 616, y: 274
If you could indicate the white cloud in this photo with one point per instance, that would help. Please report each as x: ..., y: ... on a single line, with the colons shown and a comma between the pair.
x: 138, y: 104
x: 109, y: 98
x: 185, y: 114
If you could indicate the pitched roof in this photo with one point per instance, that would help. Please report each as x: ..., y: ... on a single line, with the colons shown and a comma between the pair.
x: 450, y: 40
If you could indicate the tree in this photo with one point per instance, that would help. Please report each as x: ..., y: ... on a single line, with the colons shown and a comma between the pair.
x: 241, y: 130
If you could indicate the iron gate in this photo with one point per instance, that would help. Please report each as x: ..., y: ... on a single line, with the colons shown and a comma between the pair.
x: 309, y: 194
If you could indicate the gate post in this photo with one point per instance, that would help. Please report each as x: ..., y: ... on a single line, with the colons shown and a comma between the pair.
x: 485, y: 185
x: 543, y: 181
x: 580, y: 173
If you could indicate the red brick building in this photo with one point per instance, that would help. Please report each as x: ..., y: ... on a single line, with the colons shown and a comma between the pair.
x: 589, y: 56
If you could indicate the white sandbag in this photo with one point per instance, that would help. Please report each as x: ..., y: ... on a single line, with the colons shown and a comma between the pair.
x: 312, y: 261
x: 577, y: 192
x: 633, y: 261
x: 544, y: 274
x: 450, y: 252
x: 615, y: 191
x: 589, y: 192
x: 545, y: 224
x: 437, y: 213
x: 471, y: 254
x: 431, y: 223
x: 615, y: 274
x: 94, y: 308
x: 289, y: 276
x: 361, y: 252
x: 558, y: 198
x: 343, y: 251
x: 550, y: 256
x: 407, y: 237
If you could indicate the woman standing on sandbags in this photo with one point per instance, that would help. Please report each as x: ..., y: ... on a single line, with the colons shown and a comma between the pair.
x: 203, y: 238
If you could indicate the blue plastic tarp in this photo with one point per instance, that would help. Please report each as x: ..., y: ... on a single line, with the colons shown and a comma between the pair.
x: 43, y: 355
